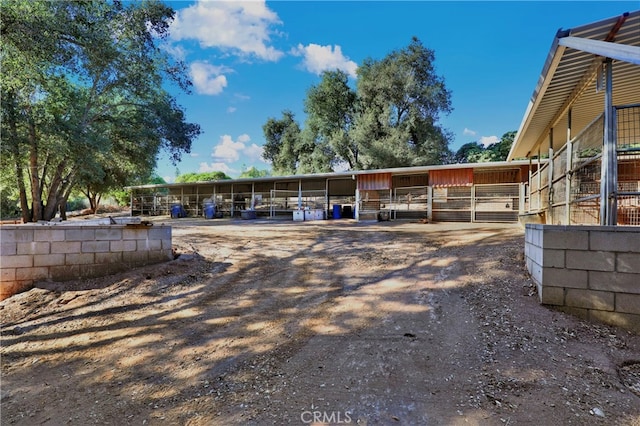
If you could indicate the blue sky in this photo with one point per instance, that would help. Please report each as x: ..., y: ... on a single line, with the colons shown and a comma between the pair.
x: 251, y: 60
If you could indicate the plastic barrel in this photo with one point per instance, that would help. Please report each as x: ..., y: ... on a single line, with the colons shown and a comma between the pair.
x: 337, y: 211
x: 209, y: 211
x: 347, y: 211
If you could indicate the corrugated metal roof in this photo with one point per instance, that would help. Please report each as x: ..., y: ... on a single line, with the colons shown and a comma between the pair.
x: 339, y: 175
x: 568, y: 80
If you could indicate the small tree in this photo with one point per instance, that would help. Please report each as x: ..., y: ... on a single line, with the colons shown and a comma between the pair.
x: 82, y: 97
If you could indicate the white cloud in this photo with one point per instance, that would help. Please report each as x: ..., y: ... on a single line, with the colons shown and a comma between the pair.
x: 469, y: 132
x: 243, y: 27
x: 317, y: 59
x: 254, y: 152
x: 194, y: 154
x: 216, y: 167
x: 168, y: 179
x: 489, y: 140
x: 228, y: 150
x: 208, y: 79
x: 231, y: 109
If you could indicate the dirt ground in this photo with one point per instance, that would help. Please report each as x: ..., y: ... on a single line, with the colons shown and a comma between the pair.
x: 327, y: 322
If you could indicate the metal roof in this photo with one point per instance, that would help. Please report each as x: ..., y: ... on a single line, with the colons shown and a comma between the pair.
x: 342, y: 175
x: 568, y: 80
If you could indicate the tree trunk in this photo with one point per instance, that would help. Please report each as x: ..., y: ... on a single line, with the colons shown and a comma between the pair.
x: 15, y: 150
x: 36, y: 213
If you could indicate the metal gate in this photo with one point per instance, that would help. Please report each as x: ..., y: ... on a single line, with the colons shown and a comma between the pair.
x: 477, y: 203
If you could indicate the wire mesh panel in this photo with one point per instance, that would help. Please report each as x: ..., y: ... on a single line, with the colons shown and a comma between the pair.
x: 410, y: 203
x: 283, y: 202
x: 628, y: 127
x: 452, y: 204
x: 496, y: 203
x: 372, y: 203
x: 628, y: 148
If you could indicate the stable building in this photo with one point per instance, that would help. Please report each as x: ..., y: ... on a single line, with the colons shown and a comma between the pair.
x: 478, y: 192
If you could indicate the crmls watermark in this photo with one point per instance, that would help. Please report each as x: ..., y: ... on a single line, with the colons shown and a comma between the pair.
x: 315, y: 415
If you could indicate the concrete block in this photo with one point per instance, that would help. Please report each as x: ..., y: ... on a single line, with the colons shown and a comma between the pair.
x: 95, y: 270
x: 166, y: 245
x: 9, y: 289
x: 123, y: 245
x: 80, y: 234
x: 556, y: 277
x: 576, y: 312
x: 553, y: 258
x: 615, y: 241
x: 134, y: 234
x: 9, y: 235
x: 551, y: 295
x: 160, y: 256
x: 8, y: 249
x: 160, y: 232
x: 48, y: 259
x: 628, y: 262
x: 7, y: 274
x: 95, y: 246
x: 109, y: 257
x: 40, y: 247
x: 149, y: 245
x: 48, y: 234
x: 590, y: 299
x: 66, y: 247
x: 619, y: 319
x: 34, y: 274
x: 79, y: 258
x: 136, y: 258
x: 565, y: 239
x: 18, y: 261
x: 614, y: 281
x: 108, y: 234
x: 590, y: 260
x: 64, y: 273
x: 536, y: 272
x: 628, y: 303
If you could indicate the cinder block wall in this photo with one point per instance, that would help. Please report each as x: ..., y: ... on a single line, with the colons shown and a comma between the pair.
x: 31, y: 253
x: 589, y: 271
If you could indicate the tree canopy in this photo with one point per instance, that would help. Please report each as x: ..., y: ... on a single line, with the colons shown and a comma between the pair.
x: 475, y: 152
x: 390, y: 119
x: 201, y: 177
x: 83, y: 99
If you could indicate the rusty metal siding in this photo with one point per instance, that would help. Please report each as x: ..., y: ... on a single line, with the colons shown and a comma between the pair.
x: 374, y: 182
x: 451, y: 177
x: 488, y: 176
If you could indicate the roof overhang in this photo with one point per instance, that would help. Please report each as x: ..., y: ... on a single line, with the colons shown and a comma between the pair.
x: 399, y: 171
x: 569, y: 81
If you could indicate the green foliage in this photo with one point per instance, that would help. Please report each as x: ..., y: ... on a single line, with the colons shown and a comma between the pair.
x: 283, y: 143
x: 83, y: 103
x: 201, y: 177
x: 389, y: 120
x: 252, y: 172
x: 474, y: 152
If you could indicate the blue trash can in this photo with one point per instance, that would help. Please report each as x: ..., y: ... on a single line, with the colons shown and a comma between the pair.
x: 176, y: 211
x: 209, y: 211
x: 337, y: 211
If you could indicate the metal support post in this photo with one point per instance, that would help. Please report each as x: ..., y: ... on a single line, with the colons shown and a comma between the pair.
x: 609, y: 165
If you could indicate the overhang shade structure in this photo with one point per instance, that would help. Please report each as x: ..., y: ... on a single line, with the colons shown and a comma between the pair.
x: 584, y: 115
x: 478, y: 192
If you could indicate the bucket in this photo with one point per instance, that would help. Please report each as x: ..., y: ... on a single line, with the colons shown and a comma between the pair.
x: 337, y: 211
x: 209, y: 211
